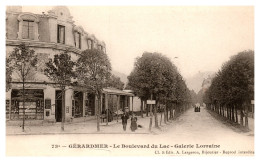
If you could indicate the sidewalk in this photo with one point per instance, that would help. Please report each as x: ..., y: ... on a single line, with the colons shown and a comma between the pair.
x: 87, y: 127
x: 251, y: 122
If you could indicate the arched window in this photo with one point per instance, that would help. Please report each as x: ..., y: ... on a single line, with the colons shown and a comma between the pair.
x: 28, y: 26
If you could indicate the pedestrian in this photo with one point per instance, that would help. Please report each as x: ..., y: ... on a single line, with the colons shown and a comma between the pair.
x: 124, y: 121
x: 133, y: 123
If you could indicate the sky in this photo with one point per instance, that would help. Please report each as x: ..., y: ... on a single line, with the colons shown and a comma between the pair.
x: 194, y: 38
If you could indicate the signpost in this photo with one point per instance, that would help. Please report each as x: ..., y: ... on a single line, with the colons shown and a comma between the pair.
x: 150, y: 102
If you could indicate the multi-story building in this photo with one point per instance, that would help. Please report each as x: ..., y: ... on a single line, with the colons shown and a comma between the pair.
x: 206, y: 83
x: 47, y: 34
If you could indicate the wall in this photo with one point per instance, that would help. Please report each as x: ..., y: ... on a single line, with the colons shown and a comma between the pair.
x: 44, y: 31
x: 12, y: 25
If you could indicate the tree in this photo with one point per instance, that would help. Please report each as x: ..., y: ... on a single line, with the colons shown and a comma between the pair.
x: 115, y: 82
x: 8, y: 73
x: 93, y: 72
x: 60, y: 71
x: 194, y: 99
x: 152, y: 78
x: 23, y: 61
x: 233, y: 86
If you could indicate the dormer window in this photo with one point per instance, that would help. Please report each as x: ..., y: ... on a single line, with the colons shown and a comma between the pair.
x: 61, y: 34
x: 100, y: 47
x: 78, y: 40
x: 78, y: 34
x: 90, y: 44
x: 28, y: 26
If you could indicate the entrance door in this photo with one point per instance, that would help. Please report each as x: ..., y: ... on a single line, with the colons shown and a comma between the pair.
x: 78, y: 109
x: 91, y: 105
x: 58, y: 106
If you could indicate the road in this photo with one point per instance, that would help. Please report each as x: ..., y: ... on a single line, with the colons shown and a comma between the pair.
x: 195, y: 130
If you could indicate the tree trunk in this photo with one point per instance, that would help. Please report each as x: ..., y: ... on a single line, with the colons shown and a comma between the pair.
x: 246, y: 116
x: 155, y: 116
x: 165, y: 114
x: 98, y: 111
x: 176, y: 110
x: 230, y: 113
x: 146, y: 107
x: 241, y: 116
x: 223, y: 110
x: 151, y: 117
x: 23, y: 108
x: 236, y: 115
x: 233, y: 113
x: 226, y: 109
x: 161, y: 118
x: 142, y: 108
x: 171, y: 112
x: 106, y: 107
x: 227, y: 112
x: 151, y: 114
x: 63, y: 109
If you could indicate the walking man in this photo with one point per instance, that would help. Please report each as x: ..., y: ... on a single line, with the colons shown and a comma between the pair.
x: 124, y: 121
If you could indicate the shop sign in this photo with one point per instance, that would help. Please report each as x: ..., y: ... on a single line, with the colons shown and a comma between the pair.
x: 27, y: 105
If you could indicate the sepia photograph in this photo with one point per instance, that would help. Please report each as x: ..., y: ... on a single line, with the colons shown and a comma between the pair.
x: 129, y: 81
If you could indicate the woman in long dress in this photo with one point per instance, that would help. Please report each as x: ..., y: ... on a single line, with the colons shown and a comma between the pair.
x: 133, y: 123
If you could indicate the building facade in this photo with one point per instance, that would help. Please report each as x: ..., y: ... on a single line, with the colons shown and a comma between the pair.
x: 47, y: 34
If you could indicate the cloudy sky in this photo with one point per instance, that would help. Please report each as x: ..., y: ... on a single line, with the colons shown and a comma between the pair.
x: 201, y: 38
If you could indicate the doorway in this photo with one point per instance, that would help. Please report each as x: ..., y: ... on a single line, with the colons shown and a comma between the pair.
x: 58, y: 106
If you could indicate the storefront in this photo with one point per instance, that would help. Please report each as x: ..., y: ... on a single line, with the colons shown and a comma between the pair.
x: 33, y: 107
x: 77, y: 104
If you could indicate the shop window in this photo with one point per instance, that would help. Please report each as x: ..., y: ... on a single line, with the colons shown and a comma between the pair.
x: 61, y: 34
x: 33, y: 105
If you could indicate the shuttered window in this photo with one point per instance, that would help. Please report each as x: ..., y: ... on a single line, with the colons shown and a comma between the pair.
x: 28, y: 29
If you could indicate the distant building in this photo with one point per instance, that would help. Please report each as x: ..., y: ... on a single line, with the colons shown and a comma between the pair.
x: 206, y: 83
x: 135, y: 105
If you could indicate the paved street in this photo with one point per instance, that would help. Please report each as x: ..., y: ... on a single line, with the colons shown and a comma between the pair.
x: 190, y: 128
